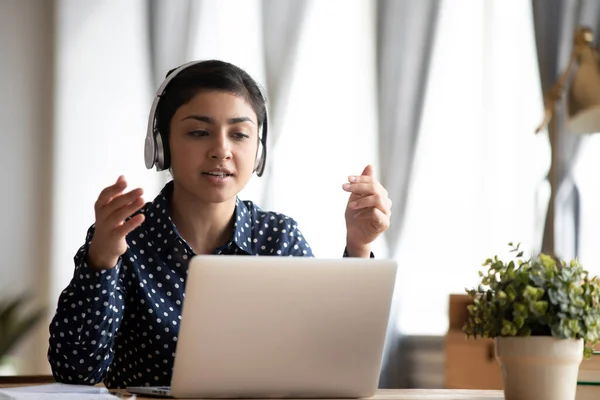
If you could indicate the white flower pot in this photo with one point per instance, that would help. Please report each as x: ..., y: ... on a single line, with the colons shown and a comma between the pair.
x: 539, y: 367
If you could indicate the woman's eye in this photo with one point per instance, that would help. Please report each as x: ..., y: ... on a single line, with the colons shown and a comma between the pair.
x: 198, y: 133
x: 240, y: 135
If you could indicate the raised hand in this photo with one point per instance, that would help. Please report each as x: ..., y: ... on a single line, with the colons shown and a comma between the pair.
x: 367, y: 213
x: 112, y: 209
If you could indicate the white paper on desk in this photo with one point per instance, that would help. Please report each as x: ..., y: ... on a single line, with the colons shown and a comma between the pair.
x: 4, y: 395
x: 56, y: 391
x: 57, y: 388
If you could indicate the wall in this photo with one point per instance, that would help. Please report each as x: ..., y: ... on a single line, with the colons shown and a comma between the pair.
x: 26, y: 76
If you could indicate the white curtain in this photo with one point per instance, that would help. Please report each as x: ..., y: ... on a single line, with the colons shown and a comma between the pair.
x: 404, y: 43
x: 330, y: 125
x: 283, y: 26
x: 171, y: 26
x: 478, y: 162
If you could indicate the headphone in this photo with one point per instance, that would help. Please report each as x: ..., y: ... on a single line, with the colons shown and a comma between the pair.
x: 156, y: 152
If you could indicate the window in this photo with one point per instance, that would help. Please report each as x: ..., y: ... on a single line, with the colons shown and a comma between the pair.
x: 586, y: 176
x: 330, y: 123
x: 479, y: 165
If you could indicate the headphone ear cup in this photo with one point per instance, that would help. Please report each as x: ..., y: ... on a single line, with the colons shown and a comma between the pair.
x: 149, y: 152
x: 163, y: 159
x: 261, y: 159
x: 259, y: 155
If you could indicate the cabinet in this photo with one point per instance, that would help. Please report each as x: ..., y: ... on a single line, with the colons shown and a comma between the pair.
x: 469, y: 363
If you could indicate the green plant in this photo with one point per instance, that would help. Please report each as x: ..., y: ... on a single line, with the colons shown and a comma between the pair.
x: 541, y: 296
x: 14, y: 323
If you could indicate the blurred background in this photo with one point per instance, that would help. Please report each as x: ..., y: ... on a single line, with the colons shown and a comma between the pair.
x: 441, y: 96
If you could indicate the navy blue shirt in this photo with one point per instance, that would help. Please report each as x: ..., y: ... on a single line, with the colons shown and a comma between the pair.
x: 121, y: 325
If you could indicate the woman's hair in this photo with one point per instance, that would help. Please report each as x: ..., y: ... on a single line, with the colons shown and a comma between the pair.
x: 208, y: 75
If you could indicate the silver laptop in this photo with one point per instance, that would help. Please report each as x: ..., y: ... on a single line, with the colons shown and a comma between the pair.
x: 281, y: 327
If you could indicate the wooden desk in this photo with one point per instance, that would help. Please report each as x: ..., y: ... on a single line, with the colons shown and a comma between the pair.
x: 423, y: 394
x: 382, y: 394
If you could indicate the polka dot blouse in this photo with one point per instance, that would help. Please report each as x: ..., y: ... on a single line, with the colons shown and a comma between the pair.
x: 120, y: 325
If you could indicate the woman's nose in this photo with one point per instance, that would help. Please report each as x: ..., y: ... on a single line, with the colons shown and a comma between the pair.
x: 221, y: 149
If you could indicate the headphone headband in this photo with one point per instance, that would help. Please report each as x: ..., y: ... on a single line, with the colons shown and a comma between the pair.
x: 155, y: 153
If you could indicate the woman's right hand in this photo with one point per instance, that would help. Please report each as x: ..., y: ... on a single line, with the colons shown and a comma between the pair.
x: 112, y: 208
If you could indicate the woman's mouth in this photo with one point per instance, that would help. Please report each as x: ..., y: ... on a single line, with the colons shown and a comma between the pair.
x: 217, y: 177
x: 217, y: 174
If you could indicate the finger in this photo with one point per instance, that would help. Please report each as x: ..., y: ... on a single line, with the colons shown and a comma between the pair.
x: 130, y: 225
x: 119, y: 215
x: 379, y: 220
x: 367, y: 175
x: 368, y: 171
x: 365, y: 188
x: 375, y: 201
x: 360, y: 179
x: 107, y: 193
x: 119, y: 201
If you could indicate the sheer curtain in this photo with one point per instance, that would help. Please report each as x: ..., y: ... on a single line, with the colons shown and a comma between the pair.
x: 404, y: 47
x: 585, y: 172
x: 283, y: 26
x: 478, y: 162
x: 330, y: 126
x: 170, y: 27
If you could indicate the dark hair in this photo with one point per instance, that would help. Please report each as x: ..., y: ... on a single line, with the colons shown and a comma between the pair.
x: 207, y: 75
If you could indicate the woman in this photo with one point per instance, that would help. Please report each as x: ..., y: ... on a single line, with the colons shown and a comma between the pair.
x: 118, y: 319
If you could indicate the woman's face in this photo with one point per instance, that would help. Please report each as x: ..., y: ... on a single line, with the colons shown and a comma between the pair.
x: 213, y: 142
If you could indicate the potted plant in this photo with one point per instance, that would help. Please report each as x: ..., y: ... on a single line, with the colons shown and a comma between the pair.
x: 15, y: 323
x: 544, y: 315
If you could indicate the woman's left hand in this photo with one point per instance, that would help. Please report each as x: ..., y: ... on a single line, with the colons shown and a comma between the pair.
x: 367, y: 213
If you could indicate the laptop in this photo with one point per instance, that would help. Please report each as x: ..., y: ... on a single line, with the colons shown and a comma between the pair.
x: 281, y: 327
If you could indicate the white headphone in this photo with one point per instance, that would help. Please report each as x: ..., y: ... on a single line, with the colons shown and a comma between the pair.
x: 154, y: 148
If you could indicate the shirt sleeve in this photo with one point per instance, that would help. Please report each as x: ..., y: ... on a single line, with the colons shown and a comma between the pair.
x: 87, y: 318
x: 295, y: 243
x: 346, y: 253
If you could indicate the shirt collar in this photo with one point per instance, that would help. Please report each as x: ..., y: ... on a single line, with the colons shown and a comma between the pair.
x: 161, y: 222
x: 242, y: 227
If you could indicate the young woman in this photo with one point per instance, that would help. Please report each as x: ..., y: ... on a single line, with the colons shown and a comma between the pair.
x: 118, y: 319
